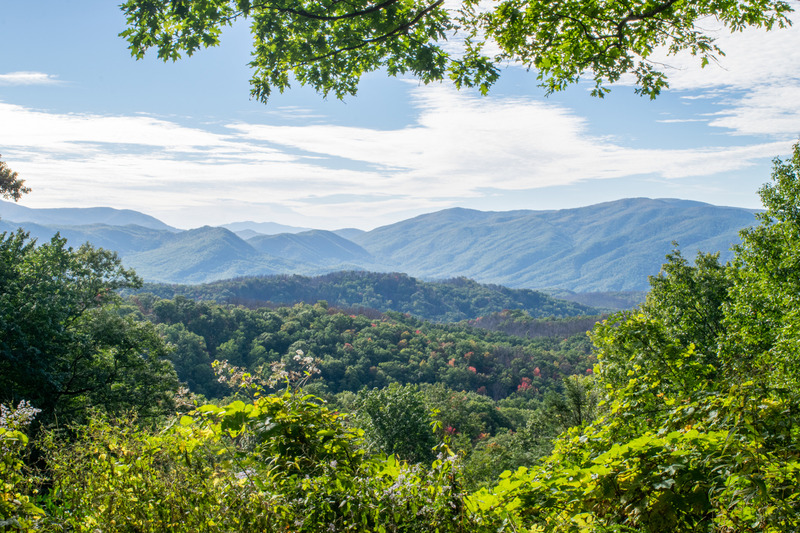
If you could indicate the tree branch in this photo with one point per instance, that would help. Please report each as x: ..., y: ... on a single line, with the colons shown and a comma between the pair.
x: 647, y: 14
x: 314, y: 16
x: 380, y: 38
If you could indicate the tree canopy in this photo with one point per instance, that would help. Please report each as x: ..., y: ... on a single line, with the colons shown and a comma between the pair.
x: 698, y: 429
x: 63, y: 346
x: 11, y: 187
x: 330, y: 44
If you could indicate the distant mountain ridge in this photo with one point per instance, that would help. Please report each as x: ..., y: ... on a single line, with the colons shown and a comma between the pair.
x: 262, y: 228
x: 78, y: 216
x: 613, y: 246
x: 310, y: 246
x: 199, y: 254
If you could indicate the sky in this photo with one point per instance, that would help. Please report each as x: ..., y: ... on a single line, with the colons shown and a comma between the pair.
x: 87, y: 125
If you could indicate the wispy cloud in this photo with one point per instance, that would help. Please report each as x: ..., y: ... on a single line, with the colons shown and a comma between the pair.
x: 757, y: 81
x: 295, y: 113
x: 28, y: 78
x: 770, y: 110
x: 463, y: 143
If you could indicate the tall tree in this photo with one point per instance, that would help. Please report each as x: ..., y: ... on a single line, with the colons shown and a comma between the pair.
x: 62, y: 345
x: 763, y: 316
x: 396, y: 421
x: 330, y: 44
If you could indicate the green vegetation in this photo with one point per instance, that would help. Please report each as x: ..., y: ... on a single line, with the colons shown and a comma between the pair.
x: 688, y: 421
x: 277, y: 463
x: 11, y: 186
x: 444, y: 301
x: 64, y: 347
x: 395, y: 421
x: 520, y: 324
x: 607, y: 301
x: 329, y: 45
x: 356, y: 351
x: 698, y: 431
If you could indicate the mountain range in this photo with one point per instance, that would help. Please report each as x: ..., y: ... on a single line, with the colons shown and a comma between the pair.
x: 611, y: 246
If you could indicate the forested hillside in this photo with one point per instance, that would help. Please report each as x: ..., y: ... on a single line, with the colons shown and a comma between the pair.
x: 356, y: 351
x: 445, y: 301
x: 614, y: 300
x: 521, y: 324
x: 604, y: 247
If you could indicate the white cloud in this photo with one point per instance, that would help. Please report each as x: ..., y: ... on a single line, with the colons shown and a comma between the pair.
x: 79, y: 134
x: 459, y: 147
x: 772, y: 110
x: 463, y: 143
x: 757, y: 80
x: 28, y: 78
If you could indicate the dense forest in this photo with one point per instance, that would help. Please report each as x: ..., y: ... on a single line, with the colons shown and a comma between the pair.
x: 521, y: 324
x: 356, y: 351
x: 444, y: 301
x: 680, y: 416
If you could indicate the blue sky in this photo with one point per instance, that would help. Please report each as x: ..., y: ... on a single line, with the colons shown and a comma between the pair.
x: 87, y: 125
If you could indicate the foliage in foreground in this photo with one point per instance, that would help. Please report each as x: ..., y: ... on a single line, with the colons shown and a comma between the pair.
x: 17, y: 508
x: 63, y: 346
x: 700, y: 430
x: 329, y: 44
x: 282, y: 462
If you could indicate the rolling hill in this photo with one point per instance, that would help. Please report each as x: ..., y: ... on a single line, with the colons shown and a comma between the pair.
x: 443, y: 301
x: 312, y: 247
x: 201, y: 254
